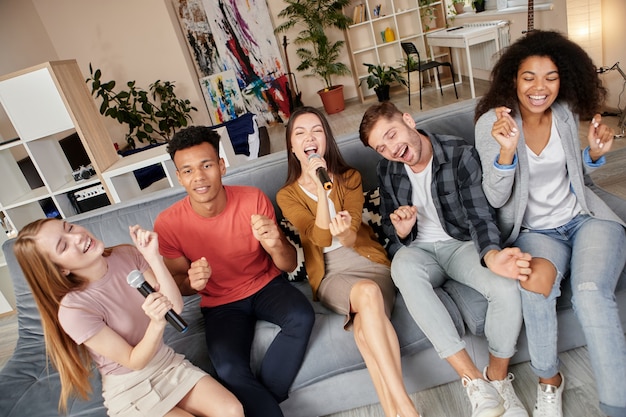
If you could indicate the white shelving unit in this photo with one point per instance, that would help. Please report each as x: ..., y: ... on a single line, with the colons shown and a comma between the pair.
x: 407, y: 19
x: 46, y: 104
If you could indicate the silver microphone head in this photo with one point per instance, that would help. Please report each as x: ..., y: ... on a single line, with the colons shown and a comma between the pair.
x: 135, y: 278
x: 314, y: 155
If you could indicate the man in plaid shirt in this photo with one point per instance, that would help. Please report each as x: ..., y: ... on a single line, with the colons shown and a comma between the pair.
x: 441, y: 227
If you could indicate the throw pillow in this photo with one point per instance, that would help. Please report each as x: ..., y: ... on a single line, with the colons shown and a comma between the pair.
x: 298, y: 274
x: 371, y: 215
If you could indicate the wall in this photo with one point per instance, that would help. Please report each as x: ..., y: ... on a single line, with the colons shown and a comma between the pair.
x: 141, y: 40
x: 137, y: 40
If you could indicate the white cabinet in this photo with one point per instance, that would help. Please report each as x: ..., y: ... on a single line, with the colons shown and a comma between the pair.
x: 48, y: 104
x: 407, y: 20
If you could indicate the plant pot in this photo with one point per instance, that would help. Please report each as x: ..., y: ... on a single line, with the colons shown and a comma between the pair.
x: 332, y: 99
x: 459, y: 8
x: 479, y: 6
x: 382, y: 93
x: 415, y: 82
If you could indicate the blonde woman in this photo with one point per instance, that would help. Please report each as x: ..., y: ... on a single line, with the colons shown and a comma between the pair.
x: 92, y: 316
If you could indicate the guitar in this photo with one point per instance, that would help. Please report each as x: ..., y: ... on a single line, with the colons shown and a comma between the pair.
x: 531, y: 17
x: 295, y: 99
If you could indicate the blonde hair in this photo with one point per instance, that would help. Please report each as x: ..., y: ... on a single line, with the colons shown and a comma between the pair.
x: 49, y: 286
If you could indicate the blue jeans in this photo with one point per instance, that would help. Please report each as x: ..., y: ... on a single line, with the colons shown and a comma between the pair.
x: 229, y: 334
x: 420, y: 267
x: 591, y: 252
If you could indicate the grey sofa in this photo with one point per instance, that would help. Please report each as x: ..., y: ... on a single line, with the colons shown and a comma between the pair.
x: 333, y: 376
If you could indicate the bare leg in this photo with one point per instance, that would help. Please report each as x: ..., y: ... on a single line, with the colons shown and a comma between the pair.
x: 542, y: 277
x: 378, y: 343
x: 464, y: 366
x: 208, y: 398
x: 498, y: 368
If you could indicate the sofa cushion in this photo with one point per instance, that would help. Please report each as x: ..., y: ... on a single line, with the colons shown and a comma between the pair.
x: 292, y: 235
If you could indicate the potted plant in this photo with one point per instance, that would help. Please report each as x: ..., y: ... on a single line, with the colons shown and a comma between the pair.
x: 458, y: 6
x: 317, y: 53
x: 409, y: 63
x: 428, y: 15
x: 478, y: 5
x: 380, y: 78
x: 152, y: 116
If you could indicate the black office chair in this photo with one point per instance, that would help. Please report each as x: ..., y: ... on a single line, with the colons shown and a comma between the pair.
x: 410, y: 49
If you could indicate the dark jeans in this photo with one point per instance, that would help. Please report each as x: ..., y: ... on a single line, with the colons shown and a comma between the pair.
x: 229, y: 333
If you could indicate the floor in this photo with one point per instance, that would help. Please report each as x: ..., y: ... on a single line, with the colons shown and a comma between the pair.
x: 449, y: 400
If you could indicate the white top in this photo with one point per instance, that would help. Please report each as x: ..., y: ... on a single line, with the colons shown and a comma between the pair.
x: 429, y: 226
x: 551, y: 202
x: 336, y: 244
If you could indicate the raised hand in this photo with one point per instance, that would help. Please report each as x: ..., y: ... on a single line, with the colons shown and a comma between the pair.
x: 146, y: 241
x: 265, y: 230
x: 199, y: 273
x: 506, y: 132
x: 600, y: 137
x: 403, y: 220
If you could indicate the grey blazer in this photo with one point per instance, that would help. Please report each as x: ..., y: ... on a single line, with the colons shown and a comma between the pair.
x: 507, y: 190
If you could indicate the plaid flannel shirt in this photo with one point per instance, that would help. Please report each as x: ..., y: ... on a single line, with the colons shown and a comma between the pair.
x: 461, y: 204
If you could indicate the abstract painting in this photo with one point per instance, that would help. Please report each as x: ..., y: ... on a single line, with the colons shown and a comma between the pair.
x: 235, y: 35
x: 223, y: 96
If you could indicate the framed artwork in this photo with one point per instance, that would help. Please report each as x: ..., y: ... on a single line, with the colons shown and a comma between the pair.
x: 235, y: 35
x: 223, y: 97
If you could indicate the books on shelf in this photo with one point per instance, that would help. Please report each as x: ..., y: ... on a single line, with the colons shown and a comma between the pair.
x: 358, y: 14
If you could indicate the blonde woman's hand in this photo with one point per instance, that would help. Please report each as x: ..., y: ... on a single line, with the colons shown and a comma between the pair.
x: 146, y: 241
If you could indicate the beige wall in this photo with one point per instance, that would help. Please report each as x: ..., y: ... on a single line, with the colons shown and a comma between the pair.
x: 141, y: 40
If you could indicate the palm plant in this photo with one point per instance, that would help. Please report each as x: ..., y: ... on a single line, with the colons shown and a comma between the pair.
x: 317, y: 53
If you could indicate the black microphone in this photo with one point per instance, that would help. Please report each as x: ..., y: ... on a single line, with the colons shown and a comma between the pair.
x: 322, y: 174
x: 136, y: 280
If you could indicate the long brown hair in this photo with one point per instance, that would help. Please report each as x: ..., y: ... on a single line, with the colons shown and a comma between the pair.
x: 334, y: 161
x: 49, y: 286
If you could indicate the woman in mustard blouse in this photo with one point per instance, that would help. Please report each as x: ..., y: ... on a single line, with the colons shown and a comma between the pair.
x: 347, y: 268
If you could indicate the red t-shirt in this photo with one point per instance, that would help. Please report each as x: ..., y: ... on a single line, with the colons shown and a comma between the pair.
x: 239, y: 264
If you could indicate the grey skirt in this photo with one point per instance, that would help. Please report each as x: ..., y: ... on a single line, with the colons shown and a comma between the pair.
x: 152, y: 391
x: 344, y: 267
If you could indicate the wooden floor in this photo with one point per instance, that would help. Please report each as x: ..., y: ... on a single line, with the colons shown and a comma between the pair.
x: 449, y: 400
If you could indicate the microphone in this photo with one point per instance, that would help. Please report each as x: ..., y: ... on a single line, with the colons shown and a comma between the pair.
x: 322, y: 174
x: 136, y: 280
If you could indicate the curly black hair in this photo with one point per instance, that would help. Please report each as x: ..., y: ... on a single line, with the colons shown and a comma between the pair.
x: 580, y: 85
x: 192, y: 136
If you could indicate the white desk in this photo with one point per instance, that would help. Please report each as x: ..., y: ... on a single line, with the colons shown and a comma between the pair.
x: 463, y: 38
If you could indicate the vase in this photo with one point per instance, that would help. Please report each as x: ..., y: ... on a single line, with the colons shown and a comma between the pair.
x: 382, y: 93
x: 479, y: 6
x: 332, y: 99
x: 459, y: 8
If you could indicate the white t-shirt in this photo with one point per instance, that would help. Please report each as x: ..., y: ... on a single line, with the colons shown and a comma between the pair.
x: 551, y: 202
x: 429, y: 228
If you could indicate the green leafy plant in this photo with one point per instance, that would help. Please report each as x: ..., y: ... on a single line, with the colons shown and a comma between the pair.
x: 152, y: 116
x: 317, y: 53
x: 409, y: 61
x: 381, y: 75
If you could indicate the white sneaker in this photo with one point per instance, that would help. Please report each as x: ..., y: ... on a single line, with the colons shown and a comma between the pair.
x: 512, y: 404
x: 486, y: 402
x: 549, y: 400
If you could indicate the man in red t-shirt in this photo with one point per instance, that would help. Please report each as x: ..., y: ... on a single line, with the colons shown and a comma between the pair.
x: 223, y: 242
